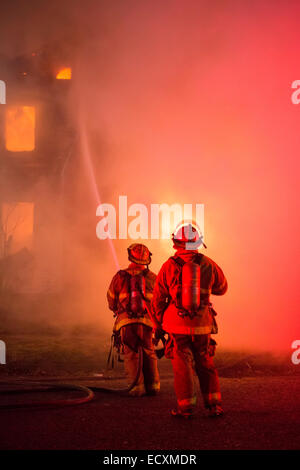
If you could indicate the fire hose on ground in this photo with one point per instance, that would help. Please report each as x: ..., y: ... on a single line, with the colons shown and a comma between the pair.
x: 88, y: 391
x: 48, y: 386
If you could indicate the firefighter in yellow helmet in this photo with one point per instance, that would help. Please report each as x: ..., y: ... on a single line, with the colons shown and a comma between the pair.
x: 181, y: 304
x: 129, y: 297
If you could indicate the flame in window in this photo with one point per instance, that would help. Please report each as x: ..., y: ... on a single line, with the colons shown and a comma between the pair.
x: 16, y: 227
x: 20, y: 128
x: 64, y: 74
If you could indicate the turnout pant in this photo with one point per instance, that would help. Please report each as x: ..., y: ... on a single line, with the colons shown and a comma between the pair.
x: 132, y: 337
x: 191, y: 353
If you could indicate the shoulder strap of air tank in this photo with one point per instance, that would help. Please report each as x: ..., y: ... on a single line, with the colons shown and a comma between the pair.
x: 124, y: 273
x: 198, y: 258
x: 144, y: 272
x: 126, y: 276
x: 179, y: 261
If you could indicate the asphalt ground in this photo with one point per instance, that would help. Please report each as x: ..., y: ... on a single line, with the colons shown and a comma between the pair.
x: 260, y: 413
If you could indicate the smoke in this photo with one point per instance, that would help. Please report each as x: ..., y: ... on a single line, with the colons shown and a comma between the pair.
x: 183, y: 102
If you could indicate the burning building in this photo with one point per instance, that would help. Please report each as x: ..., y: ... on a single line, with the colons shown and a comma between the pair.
x: 36, y: 141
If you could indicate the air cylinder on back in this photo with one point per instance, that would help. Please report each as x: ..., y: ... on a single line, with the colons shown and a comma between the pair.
x: 190, y: 286
x: 137, y: 291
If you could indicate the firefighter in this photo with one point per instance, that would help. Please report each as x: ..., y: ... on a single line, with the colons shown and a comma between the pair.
x: 129, y: 297
x: 181, y: 306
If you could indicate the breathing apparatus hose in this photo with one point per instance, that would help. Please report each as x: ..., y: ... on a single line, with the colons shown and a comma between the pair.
x: 41, y: 386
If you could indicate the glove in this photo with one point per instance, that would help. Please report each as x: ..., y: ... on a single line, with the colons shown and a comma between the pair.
x: 158, y: 335
x: 212, y: 347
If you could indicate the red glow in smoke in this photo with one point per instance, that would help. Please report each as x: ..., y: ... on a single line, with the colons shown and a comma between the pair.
x: 194, y: 106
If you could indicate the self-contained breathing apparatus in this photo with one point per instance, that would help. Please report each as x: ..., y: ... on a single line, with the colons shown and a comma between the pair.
x: 135, y: 307
x: 188, y: 296
x: 188, y: 300
x: 136, y: 288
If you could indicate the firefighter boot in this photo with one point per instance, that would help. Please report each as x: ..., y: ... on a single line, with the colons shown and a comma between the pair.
x: 215, y: 411
x: 185, y: 414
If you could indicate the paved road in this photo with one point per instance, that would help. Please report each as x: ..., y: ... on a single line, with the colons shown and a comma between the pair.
x: 261, y: 413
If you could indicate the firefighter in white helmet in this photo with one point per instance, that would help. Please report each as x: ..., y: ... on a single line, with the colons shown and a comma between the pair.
x: 129, y: 297
x: 181, y: 305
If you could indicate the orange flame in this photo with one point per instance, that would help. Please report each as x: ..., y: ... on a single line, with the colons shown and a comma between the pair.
x: 17, y: 221
x: 20, y: 128
x: 64, y: 74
